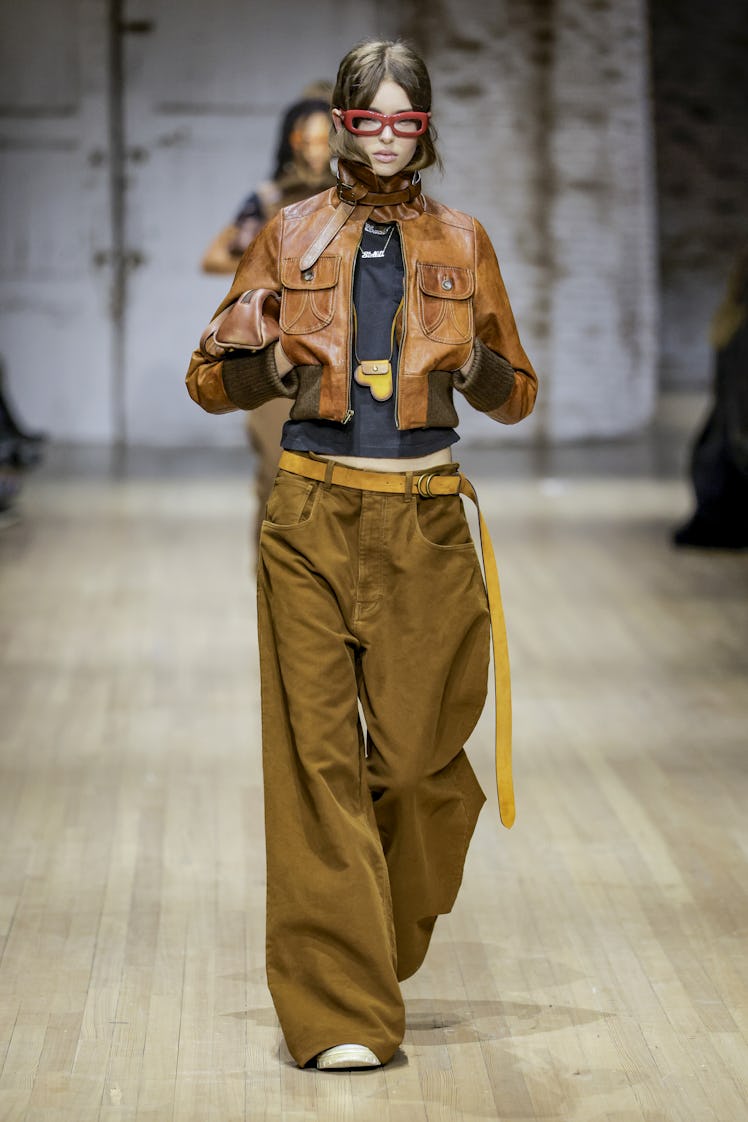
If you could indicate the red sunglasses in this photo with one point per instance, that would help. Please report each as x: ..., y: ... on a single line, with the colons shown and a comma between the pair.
x: 365, y: 122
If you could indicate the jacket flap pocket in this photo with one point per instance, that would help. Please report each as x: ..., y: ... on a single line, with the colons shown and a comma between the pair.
x: 448, y: 282
x: 323, y: 273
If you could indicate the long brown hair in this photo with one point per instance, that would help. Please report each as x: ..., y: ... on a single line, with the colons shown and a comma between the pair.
x: 360, y: 75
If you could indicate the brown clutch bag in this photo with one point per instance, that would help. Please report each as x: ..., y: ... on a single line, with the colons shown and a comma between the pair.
x: 249, y: 324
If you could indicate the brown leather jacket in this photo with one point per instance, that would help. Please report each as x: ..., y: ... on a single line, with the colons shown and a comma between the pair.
x: 457, y: 329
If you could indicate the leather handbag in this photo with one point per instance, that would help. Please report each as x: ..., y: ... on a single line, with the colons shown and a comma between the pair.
x: 249, y: 324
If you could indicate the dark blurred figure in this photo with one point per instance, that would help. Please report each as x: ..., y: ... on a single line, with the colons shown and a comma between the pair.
x: 719, y: 461
x: 302, y: 169
x: 19, y: 449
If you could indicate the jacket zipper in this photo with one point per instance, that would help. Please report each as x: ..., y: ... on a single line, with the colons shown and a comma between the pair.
x: 405, y: 322
x: 350, y: 412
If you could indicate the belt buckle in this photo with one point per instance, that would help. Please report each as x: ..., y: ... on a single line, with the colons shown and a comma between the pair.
x: 423, y: 485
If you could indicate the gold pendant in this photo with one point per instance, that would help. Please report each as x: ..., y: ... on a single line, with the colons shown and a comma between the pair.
x: 376, y: 373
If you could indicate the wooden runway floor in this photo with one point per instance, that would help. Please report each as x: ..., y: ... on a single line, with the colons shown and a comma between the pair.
x: 595, y: 968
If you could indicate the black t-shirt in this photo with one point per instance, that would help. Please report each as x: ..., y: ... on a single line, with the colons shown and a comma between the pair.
x: 371, y: 431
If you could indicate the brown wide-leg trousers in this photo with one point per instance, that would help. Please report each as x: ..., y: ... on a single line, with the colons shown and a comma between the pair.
x: 372, y: 600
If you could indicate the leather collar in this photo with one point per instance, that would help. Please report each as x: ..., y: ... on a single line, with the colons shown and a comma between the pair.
x: 359, y: 184
x: 383, y: 198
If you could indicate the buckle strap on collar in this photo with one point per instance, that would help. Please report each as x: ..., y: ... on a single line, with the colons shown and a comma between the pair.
x: 360, y: 193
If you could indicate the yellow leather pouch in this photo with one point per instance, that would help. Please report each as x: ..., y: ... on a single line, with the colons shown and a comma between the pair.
x: 376, y: 373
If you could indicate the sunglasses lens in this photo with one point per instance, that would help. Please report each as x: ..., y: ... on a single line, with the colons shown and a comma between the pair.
x: 365, y: 125
x: 408, y: 126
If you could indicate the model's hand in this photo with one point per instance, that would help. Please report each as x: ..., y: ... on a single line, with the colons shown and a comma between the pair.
x: 281, y: 359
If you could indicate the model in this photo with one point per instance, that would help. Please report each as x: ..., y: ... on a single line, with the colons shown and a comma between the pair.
x: 367, y: 305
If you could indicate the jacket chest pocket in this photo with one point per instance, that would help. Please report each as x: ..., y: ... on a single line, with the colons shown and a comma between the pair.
x: 308, y: 299
x: 445, y: 306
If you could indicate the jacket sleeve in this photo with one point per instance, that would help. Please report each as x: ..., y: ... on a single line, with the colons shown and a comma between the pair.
x: 499, y: 379
x: 246, y: 379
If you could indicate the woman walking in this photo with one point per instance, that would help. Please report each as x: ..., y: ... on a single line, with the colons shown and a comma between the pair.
x: 367, y: 306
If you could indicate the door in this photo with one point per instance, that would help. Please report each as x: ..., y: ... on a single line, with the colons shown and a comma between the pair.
x: 205, y: 84
x: 131, y: 130
x: 55, y: 216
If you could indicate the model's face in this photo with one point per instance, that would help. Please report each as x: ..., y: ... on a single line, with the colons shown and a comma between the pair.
x: 387, y: 153
x: 313, y: 143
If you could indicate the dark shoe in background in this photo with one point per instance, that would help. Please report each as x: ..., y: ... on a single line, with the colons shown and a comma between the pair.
x: 708, y: 533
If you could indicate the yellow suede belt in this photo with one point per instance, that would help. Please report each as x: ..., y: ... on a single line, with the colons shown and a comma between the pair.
x: 429, y: 485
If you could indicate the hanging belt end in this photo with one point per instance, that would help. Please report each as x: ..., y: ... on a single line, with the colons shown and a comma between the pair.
x: 507, y: 812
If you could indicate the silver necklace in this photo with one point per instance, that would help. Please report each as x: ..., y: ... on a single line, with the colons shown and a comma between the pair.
x: 377, y: 252
x: 378, y: 231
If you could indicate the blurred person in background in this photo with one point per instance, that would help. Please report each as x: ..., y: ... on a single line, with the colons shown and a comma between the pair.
x: 302, y: 169
x: 719, y: 459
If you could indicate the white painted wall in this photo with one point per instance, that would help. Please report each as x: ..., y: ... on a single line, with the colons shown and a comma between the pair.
x: 544, y: 117
x: 54, y: 216
x: 205, y: 94
x: 544, y: 121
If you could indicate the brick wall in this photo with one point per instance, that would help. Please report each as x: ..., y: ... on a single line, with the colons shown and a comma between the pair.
x: 543, y: 111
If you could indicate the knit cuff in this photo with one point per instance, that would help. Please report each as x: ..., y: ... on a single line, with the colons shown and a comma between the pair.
x: 489, y: 379
x: 251, y: 378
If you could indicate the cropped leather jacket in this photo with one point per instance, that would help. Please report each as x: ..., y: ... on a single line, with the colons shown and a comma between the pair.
x: 456, y: 330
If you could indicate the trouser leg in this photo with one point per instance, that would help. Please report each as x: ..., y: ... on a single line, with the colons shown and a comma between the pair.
x: 330, y: 938
x: 265, y: 429
x: 424, y: 676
